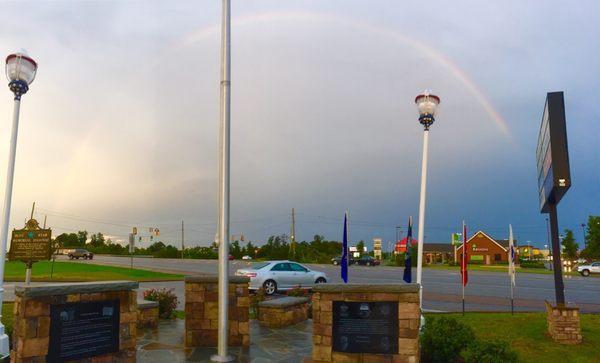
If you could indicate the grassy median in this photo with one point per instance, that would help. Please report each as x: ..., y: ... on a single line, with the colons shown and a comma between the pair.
x: 527, y: 335
x: 74, y: 271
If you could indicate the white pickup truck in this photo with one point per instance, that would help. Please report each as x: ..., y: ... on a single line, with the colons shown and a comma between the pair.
x: 587, y: 269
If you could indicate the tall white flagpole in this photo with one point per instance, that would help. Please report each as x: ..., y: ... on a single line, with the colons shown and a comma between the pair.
x: 224, y: 162
x: 511, y: 268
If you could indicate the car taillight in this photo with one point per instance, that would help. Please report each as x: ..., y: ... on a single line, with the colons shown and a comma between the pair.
x: 251, y: 274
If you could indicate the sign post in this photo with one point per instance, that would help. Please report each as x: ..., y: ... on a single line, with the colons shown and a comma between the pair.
x: 30, y: 244
x: 554, y: 176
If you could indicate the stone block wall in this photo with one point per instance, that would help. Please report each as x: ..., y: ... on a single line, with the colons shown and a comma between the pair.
x: 147, y: 314
x: 563, y: 324
x: 31, y: 329
x: 409, y: 315
x: 202, y: 311
x: 283, y: 312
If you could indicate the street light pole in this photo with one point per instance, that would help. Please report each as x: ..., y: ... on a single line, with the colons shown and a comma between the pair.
x: 224, y: 167
x: 426, y: 104
x: 20, y: 70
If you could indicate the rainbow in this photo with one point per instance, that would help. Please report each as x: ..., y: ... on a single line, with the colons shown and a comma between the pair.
x: 424, y: 49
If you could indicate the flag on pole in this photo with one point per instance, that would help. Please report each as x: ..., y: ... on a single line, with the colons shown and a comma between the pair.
x: 463, y: 263
x: 511, y: 268
x: 511, y: 256
x: 407, y: 261
x: 344, y: 262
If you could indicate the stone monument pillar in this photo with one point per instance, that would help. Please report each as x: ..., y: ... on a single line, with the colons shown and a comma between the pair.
x: 75, y: 322
x: 366, y: 322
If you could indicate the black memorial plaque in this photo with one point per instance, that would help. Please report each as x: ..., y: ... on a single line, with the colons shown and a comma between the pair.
x: 81, y: 330
x: 365, y: 327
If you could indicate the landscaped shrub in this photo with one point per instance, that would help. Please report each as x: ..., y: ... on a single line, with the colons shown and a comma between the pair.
x: 485, y: 351
x: 297, y: 291
x: 532, y: 264
x: 167, y: 301
x: 255, y: 298
x: 443, y: 339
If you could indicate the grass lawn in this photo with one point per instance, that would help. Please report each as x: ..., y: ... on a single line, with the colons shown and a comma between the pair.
x: 73, y: 271
x: 526, y: 332
x: 7, y: 318
x: 501, y: 268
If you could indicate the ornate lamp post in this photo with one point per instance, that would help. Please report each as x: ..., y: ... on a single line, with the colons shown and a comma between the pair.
x: 20, y: 71
x: 426, y: 105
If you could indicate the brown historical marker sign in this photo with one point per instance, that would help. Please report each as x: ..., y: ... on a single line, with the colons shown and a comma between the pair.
x: 31, y: 243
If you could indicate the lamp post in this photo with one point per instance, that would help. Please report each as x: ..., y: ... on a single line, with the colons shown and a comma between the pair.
x: 20, y: 71
x: 224, y: 162
x: 426, y: 105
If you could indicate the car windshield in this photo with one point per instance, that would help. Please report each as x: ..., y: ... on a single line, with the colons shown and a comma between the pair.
x: 258, y: 266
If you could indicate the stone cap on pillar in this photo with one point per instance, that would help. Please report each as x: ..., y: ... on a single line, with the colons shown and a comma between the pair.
x: 67, y: 288
x: 214, y: 278
x: 374, y: 287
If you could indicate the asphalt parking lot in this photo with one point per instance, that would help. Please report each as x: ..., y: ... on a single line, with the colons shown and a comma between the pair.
x: 486, y: 291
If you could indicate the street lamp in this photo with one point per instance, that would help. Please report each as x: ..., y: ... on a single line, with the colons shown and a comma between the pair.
x: 20, y: 71
x: 426, y: 105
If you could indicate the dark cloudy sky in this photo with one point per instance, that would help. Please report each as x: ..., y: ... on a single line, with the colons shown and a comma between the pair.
x: 120, y: 127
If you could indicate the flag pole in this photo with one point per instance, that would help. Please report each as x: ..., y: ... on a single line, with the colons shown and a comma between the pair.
x: 463, y: 266
x: 511, y: 269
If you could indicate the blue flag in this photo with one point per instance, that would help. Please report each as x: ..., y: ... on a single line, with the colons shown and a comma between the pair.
x: 407, y: 263
x: 344, y: 261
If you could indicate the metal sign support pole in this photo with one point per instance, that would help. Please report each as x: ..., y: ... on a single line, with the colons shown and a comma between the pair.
x: 559, y: 286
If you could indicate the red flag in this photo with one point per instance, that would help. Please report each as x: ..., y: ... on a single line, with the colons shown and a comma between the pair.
x: 463, y: 263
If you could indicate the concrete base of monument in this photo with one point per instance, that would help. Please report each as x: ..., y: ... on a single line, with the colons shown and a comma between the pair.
x: 563, y: 323
x: 366, y: 322
x: 76, y: 322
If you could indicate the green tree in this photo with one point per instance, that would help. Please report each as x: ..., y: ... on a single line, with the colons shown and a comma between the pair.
x: 82, y: 238
x: 235, y: 250
x: 592, y: 239
x: 360, y: 246
x: 67, y: 240
x: 97, y: 240
x: 570, y: 247
x: 250, y: 249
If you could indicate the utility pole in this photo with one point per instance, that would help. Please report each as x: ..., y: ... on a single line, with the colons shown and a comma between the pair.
x: 182, y: 245
x: 293, y: 234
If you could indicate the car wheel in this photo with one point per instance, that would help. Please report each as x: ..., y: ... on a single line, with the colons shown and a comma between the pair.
x: 368, y: 263
x: 70, y: 257
x: 270, y: 287
x: 585, y: 273
x: 335, y: 263
x: 320, y: 280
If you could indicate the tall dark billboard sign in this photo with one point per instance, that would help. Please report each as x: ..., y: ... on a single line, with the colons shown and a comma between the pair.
x: 553, y: 174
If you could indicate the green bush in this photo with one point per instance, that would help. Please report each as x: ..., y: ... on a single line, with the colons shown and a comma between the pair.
x: 484, y: 351
x: 443, y: 339
x: 532, y: 264
x: 167, y: 301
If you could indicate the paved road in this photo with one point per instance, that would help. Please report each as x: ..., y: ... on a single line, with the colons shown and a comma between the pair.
x: 442, y: 289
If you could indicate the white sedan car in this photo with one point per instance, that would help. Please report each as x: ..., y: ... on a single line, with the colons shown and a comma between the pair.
x: 586, y: 270
x: 276, y: 276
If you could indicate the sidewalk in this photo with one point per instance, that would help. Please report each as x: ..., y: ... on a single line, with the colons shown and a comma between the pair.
x: 290, y: 344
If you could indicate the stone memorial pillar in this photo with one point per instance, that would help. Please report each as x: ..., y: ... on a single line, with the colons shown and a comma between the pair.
x: 202, y: 310
x: 563, y: 324
x: 75, y: 322
x: 366, y: 322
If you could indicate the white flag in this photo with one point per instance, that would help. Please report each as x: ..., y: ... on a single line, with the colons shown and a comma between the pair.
x: 511, y: 256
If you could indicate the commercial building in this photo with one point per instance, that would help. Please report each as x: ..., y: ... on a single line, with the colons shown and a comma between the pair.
x: 483, y: 249
x: 377, y: 248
